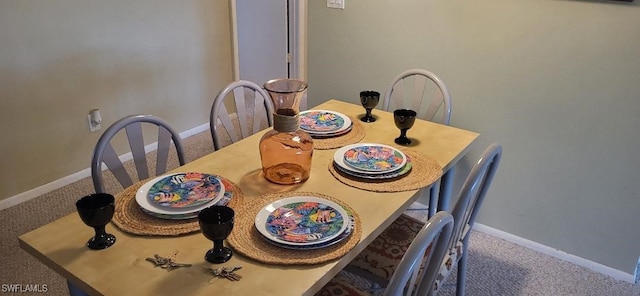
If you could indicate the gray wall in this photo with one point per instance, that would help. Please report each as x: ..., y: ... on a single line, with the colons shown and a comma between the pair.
x: 60, y: 59
x: 555, y: 82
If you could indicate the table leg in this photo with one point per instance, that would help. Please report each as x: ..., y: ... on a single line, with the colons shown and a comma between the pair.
x: 434, y: 195
x: 446, y: 185
x: 75, y: 291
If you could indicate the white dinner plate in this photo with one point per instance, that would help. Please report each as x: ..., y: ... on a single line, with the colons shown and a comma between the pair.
x: 395, y: 174
x: 339, y: 159
x: 331, y: 135
x: 143, y: 200
x: 294, y: 221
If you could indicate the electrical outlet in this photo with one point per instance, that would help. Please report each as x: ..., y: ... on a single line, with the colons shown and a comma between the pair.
x: 636, y: 275
x: 339, y: 4
x: 95, y: 119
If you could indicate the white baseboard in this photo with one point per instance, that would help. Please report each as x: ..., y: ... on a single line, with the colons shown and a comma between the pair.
x: 33, y: 193
x: 594, y: 266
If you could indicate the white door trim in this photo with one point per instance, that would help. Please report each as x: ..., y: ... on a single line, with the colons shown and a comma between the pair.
x: 234, y: 39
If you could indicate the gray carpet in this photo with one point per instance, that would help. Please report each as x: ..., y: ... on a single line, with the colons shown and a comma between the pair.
x: 495, y: 267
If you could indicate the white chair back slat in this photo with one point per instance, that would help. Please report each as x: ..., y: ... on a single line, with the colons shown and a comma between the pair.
x: 227, y: 123
x: 136, y: 142
x: 164, y: 144
x: 259, y: 115
x: 112, y: 161
x: 241, y: 110
x: 434, y: 106
x: 419, y: 85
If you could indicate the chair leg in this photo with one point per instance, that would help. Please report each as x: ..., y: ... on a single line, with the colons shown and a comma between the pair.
x: 75, y: 291
x: 434, y: 193
x: 462, y: 268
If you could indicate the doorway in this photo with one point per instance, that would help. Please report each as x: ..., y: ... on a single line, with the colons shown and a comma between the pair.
x: 269, y: 39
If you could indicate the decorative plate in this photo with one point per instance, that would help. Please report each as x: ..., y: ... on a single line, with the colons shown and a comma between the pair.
x: 392, y: 175
x: 370, y: 158
x: 323, y: 121
x: 302, y: 221
x: 185, y: 190
x: 332, y: 242
x: 143, y: 201
x: 228, y: 194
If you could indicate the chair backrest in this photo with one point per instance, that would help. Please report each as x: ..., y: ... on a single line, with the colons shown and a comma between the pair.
x: 411, y: 90
x: 473, y: 192
x: 253, y: 109
x: 408, y: 275
x: 104, y: 151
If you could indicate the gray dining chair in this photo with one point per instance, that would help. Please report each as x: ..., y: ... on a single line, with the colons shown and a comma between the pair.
x: 424, y: 92
x: 104, y: 151
x: 418, y: 268
x: 251, y: 108
x: 376, y: 263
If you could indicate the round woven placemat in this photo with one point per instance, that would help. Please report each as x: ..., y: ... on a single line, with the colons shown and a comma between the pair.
x: 424, y: 172
x: 246, y: 240
x: 130, y: 218
x: 356, y: 134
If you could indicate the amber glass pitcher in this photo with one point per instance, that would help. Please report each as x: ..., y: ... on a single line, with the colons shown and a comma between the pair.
x: 286, y: 150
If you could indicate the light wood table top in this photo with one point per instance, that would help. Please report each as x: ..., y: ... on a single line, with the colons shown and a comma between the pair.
x: 122, y: 269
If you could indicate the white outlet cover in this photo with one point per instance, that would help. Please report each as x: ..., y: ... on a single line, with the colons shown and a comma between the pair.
x: 93, y: 126
x: 339, y: 4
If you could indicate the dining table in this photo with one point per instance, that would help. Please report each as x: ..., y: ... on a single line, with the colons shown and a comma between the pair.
x: 122, y: 269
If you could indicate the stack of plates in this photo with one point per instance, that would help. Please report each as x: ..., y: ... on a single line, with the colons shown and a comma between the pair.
x: 371, y: 161
x: 324, y: 123
x: 180, y: 195
x: 304, y: 222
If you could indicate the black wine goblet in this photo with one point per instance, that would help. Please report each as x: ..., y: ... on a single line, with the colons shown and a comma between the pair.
x: 96, y: 210
x: 216, y: 223
x: 404, y: 119
x: 369, y: 100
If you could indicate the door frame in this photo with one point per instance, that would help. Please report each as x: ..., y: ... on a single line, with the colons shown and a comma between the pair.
x: 297, y: 38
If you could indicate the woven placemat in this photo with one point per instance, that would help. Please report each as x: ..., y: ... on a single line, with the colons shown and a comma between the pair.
x: 130, y: 218
x: 246, y: 240
x: 356, y: 134
x: 425, y: 170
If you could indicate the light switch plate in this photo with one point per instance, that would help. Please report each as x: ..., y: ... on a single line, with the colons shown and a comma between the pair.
x: 339, y: 4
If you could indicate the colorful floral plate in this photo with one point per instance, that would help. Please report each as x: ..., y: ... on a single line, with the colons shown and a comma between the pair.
x: 185, y: 190
x: 329, y: 243
x: 143, y: 201
x: 228, y: 195
x: 370, y: 158
x: 320, y: 122
x: 302, y: 221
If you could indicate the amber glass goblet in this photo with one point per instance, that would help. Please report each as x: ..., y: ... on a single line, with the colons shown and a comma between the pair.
x: 369, y: 100
x: 404, y: 119
x: 96, y: 210
x: 216, y: 223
